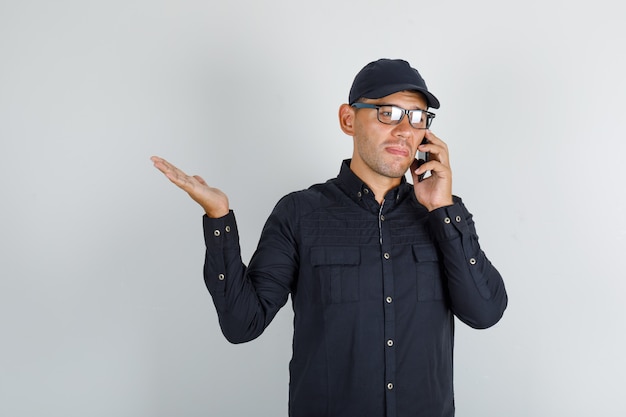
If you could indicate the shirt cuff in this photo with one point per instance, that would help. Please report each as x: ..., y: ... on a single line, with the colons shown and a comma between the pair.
x: 448, y: 222
x: 221, y: 232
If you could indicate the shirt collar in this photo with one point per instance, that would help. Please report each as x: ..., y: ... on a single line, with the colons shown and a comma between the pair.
x: 358, y: 190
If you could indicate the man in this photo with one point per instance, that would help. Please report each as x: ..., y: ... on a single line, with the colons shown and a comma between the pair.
x: 377, y: 267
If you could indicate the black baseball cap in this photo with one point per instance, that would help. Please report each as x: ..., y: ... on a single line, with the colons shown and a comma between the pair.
x: 387, y: 76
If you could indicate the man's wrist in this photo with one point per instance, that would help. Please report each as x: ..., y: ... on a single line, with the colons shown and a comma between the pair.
x: 439, y: 205
x: 216, y: 213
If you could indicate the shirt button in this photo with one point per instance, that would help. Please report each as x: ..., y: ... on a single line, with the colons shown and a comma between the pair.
x: 389, y: 342
x: 446, y: 220
x: 216, y: 233
x: 386, y: 255
x: 472, y: 261
x: 221, y: 277
x: 227, y: 229
x: 389, y: 300
x: 390, y: 386
x: 366, y: 191
x: 458, y: 219
x: 359, y: 194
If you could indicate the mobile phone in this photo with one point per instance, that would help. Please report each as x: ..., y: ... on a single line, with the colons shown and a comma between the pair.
x: 422, y: 157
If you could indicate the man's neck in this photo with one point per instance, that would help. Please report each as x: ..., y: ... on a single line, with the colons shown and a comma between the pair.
x: 378, y: 184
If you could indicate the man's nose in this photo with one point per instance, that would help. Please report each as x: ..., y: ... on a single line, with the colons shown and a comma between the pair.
x: 404, y: 127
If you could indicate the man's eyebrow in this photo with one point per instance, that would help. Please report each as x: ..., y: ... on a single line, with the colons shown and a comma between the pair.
x: 395, y: 105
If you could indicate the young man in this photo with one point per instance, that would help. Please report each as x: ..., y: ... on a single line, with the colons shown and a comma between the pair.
x: 377, y: 268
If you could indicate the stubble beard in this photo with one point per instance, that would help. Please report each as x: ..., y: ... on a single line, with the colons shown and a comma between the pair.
x: 380, y: 165
x: 379, y: 161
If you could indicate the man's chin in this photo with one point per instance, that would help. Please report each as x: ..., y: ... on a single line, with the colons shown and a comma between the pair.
x: 398, y: 169
x: 395, y: 172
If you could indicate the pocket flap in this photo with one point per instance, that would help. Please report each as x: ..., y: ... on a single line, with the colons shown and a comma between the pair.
x: 425, y: 253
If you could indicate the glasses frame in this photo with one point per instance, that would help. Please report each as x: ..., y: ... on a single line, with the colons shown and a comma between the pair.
x: 429, y: 116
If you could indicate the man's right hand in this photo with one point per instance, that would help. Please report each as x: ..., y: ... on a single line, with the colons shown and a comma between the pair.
x: 213, y: 201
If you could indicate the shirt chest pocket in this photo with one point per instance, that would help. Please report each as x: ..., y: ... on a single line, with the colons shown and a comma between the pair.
x: 336, y: 273
x: 428, y: 273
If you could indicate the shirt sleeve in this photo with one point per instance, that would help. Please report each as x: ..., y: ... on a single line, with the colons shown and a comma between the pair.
x: 247, y: 298
x: 475, y: 287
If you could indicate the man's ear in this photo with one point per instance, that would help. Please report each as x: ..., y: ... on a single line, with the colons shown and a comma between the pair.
x: 346, y: 119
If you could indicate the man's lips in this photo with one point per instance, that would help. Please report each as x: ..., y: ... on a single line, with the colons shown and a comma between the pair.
x: 397, y: 150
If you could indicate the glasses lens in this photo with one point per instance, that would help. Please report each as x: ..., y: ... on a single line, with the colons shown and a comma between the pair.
x: 418, y: 118
x: 390, y: 114
x: 429, y: 119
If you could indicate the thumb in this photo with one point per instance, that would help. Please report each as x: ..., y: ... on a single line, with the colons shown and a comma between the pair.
x: 200, y: 179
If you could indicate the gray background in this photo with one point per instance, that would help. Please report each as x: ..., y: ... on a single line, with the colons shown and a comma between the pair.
x: 103, y: 310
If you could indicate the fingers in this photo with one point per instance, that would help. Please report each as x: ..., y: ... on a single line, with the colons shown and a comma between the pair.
x: 437, y: 148
x: 436, y: 190
x: 418, y: 176
x: 213, y: 201
x: 174, y: 174
x: 200, y: 180
x: 164, y: 166
x: 439, y: 160
x: 160, y: 163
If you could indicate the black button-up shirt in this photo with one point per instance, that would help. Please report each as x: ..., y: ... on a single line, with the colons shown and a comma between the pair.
x: 375, y: 288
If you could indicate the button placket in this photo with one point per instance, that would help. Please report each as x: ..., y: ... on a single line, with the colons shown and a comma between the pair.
x: 385, y: 223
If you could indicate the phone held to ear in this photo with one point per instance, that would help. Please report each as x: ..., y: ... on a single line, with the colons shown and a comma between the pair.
x: 422, y: 157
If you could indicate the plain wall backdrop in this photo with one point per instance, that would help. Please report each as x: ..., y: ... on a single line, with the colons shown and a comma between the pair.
x: 103, y: 309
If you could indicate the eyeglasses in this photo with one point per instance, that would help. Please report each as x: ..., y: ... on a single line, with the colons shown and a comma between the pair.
x: 393, y: 115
